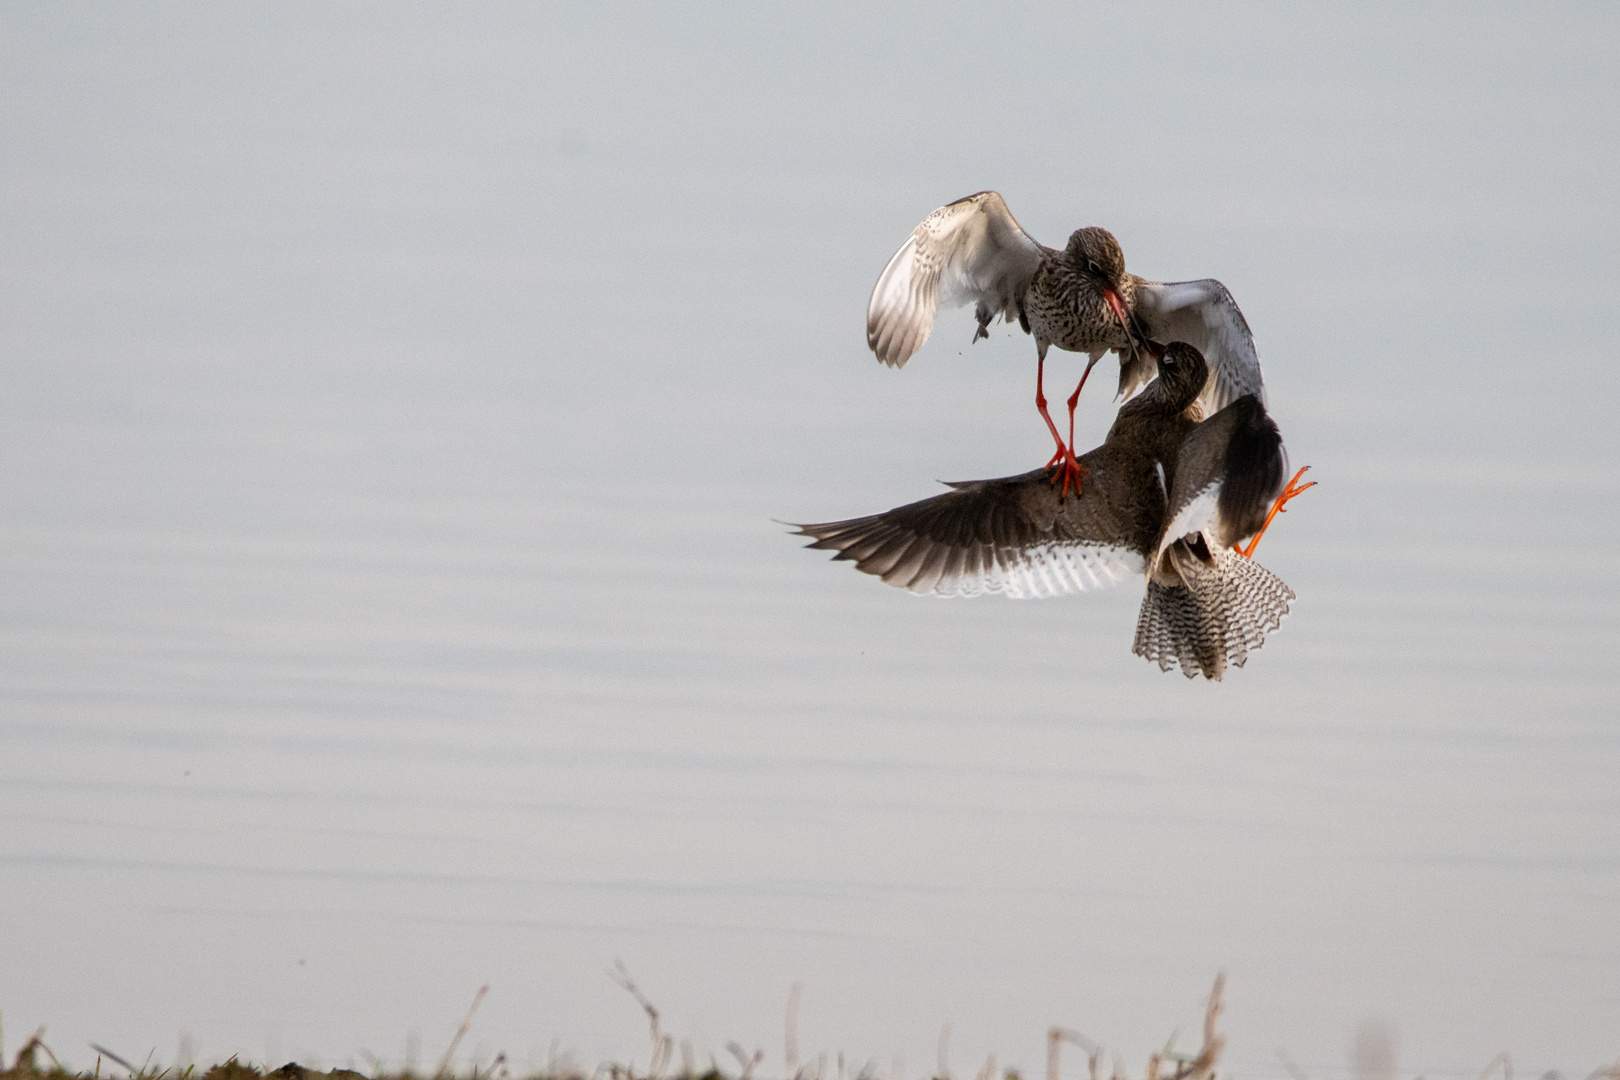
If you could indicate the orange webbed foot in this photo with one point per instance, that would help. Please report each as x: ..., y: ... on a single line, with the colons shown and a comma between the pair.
x: 1293, y: 490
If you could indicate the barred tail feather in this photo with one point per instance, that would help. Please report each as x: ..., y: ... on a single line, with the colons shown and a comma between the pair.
x: 1217, y: 613
x: 1168, y: 630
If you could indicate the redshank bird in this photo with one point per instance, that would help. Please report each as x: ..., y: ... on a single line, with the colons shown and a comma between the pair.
x: 1168, y: 497
x: 1081, y: 299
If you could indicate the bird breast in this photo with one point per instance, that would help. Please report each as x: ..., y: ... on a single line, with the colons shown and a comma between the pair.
x: 1067, y: 309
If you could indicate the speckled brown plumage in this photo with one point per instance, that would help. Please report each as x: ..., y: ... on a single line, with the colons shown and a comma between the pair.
x: 1065, y: 305
x: 973, y: 251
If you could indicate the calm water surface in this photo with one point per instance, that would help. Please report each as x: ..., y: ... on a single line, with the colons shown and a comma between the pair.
x: 394, y: 409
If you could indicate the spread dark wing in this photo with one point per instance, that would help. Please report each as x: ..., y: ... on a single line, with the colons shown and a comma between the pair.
x: 1204, y: 315
x: 1011, y: 535
x: 1228, y: 470
x: 970, y: 252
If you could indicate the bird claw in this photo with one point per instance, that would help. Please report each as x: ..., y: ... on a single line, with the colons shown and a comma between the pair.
x: 1293, y: 490
x: 1294, y: 487
x: 1066, y: 470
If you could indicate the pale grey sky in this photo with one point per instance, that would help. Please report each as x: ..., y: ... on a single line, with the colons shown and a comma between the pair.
x: 394, y: 404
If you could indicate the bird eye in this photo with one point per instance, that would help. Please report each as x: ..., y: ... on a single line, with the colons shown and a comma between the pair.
x: 1091, y: 264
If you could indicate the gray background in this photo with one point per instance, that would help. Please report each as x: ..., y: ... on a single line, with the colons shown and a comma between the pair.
x: 394, y: 405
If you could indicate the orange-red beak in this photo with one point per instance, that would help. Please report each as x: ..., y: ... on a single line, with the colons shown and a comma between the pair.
x: 1118, y: 305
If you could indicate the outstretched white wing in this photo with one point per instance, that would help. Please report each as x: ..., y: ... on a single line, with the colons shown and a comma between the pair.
x: 1204, y: 315
x: 1016, y: 535
x: 969, y: 252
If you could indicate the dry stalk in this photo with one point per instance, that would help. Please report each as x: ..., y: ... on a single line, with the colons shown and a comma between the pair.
x: 790, y: 1045
x: 25, y: 1056
x: 749, y: 1064
x: 988, y: 1070
x: 1202, y: 1067
x: 1055, y: 1038
x: 660, y: 1044
x: 944, y: 1053
x: 1506, y: 1063
x: 466, y: 1022
x: 1288, y: 1063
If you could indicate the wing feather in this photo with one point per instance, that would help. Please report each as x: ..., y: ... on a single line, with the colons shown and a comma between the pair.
x: 1012, y: 535
x: 1228, y: 469
x: 1204, y: 315
x: 972, y: 251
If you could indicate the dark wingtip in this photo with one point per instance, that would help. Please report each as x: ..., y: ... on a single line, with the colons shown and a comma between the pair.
x: 807, y: 529
x: 1255, y: 467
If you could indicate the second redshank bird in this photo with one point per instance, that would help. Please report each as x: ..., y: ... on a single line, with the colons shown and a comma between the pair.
x: 1169, y: 497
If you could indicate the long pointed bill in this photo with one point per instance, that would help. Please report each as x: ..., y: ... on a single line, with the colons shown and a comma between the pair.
x: 1119, y: 308
x: 1132, y: 333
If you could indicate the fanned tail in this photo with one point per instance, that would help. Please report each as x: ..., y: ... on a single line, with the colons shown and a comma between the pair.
x: 1219, y: 611
x: 1167, y: 631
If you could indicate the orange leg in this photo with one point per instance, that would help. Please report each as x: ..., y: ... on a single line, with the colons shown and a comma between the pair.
x: 1074, y: 399
x: 1070, y: 470
x: 1276, y: 508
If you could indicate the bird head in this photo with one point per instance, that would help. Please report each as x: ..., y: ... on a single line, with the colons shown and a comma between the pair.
x: 1097, y: 255
x: 1182, y: 373
x: 1095, y: 251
